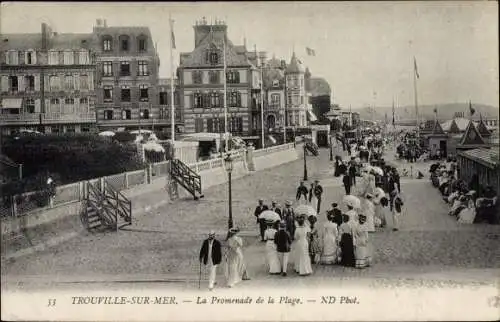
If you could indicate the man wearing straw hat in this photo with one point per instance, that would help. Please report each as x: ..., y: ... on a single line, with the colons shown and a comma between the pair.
x: 211, y: 256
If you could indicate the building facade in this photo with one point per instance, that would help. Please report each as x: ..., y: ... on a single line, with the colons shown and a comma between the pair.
x: 297, y: 99
x: 201, y: 84
x: 127, y: 79
x: 47, y: 82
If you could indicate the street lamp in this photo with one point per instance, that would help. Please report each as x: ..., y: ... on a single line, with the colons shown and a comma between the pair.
x: 228, y: 164
x: 141, y: 115
x: 305, y: 159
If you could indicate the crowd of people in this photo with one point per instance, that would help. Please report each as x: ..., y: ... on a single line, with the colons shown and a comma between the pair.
x: 469, y: 202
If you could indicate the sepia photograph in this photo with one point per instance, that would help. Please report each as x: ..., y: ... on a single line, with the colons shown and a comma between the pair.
x: 256, y: 161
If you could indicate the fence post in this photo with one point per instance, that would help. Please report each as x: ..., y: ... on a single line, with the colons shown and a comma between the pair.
x: 13, y: 205
x: 101, y: 184
x: 149, y: 173
x: 126, y: 180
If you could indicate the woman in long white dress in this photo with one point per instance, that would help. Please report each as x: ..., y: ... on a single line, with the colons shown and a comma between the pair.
x: 312, y: 197
x: 467, y: 215
x: 236, y: 270
x: 362, y: 247
x: 330, y: 240
x: 369, y: 212
x: 273, y: 261
x: 302, y: 263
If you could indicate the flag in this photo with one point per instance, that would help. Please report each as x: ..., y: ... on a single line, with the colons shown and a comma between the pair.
x: 172, y: 35
x: 471, y: 109
x: 393, y: 120
x: 415, y: 67
x: 435, y: 112
x: 310, y: 52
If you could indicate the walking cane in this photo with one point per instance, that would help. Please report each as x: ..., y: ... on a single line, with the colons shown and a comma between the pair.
x: 199, y: 279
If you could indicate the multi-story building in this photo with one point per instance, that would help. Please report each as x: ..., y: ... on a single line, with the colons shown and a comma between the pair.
x: 47, y: 82
x: 298, y: 107
x: 275, y: 98
x: 165, y: 103
x: 201, y: 83
x: 127, y: 79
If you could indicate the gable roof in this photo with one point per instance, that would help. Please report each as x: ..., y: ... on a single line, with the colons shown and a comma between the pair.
x: 437, y: 129
x: 472, y: 136
x: 487, y: 157
x: 454, y: 127
x: 481, y: 127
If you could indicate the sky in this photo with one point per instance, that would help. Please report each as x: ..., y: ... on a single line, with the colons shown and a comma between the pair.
x: 365, y: 50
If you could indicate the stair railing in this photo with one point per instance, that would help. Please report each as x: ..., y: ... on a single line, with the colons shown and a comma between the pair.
x: 187, y: 176
x: 96, y: 200
x: 121, y: 204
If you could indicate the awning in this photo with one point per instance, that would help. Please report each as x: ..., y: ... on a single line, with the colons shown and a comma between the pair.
x: 312, y: 117
x: 12, y: 102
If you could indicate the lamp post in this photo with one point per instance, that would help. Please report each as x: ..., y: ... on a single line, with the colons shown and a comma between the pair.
x: 141, y: 115
x: 228, y: 164
x: 331, y: 118
x: 305, y: 159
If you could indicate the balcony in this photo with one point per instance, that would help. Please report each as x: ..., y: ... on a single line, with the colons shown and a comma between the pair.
x: 47, y: 118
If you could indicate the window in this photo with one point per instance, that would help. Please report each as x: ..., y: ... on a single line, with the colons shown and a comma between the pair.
x: 236, y: 124
x: 30, y: 83
x: 83, y: 57
x: 125, y: 94
x: 164, y: 98
x: 143, y: 93
x: 234, y: 99
x: 205, y: 100
x: 13, y: 84
x: 213, y: 57
x: 30, y: 105
x: 12, y: 57
x: 301, y: 100
x: 55, y: 129
x: 53, y: 58
x: 197, y: 77
x: 69, y: 57
x: 107, y: 43
x: 214, y: 99
x: 144, y: 114
x: 54, y: 101
x: 84, y: 82
x: 70, y: 129
x: 275, y: 99
x: 68, y: 82
x: 143, y: 68
x: 84, y: 100
x: 124, y: 68
x: 108, y: 93
x: 197, y: 100
x: 108, y: 114
x: 213, y: 77
x: 126, y: 115
x: 85, y: 128
x: 276, y: 83
x: 124, y: 43
x: 198, y: 125
x: 69, y: 101
x: 233, y: 77
x: 142, y: 43
x: 107, y: 68
x: 29, y: 58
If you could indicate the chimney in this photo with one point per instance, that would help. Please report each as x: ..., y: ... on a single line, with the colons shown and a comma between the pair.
x: 262, y: 57
x: 46, y: 35
x: 105, y: 24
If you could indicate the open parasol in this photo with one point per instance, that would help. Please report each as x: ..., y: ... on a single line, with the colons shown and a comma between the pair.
x: 352, y: 201
x: 107, y: 133
x: 269, y: 215
x: 305, y: 210
x: 378, y: 171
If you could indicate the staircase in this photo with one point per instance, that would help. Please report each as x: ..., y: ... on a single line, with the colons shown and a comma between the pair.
x: 312, y: 148
x: 104, y: 207
x: 186, y: 177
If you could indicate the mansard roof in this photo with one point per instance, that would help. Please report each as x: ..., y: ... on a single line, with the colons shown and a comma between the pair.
x: 295, y: 67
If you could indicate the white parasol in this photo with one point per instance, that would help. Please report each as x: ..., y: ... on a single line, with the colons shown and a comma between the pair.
x: 378, y: 171
x: 352, y: 201
x: 269, y: 215
x: 141, y: 131
x: 153, y: 146
x: 305, y: 210
x: 107, y: 133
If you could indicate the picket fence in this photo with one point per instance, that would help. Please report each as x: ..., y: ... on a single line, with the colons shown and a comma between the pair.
x: 75, y: 192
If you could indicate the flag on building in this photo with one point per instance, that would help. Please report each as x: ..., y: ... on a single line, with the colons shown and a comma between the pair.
x: 310, y: 52
x: 172, y: 35
x: 415, y: 67
x: 471, y: 109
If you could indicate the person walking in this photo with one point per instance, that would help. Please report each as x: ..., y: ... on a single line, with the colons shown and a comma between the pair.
x: 318, y: 193
x: 314, y: 242
x: 329, y: 240
x: 236, y: 270
x: 369, y: 213
x: 283, y: 242
x: 261, y: 222
x: 271, y: 253
x: 362, y: 246
x: 288, y: 216
x: 302, y: 191
x: 396, y: 208
x: 275, y: 208
x: 346, y: 244
x: 211, y: 257
x: 302, y: 261
x: 347, y: 183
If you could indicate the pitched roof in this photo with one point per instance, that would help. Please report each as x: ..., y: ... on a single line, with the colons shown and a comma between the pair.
x: 487, y: 157
x: 21, y: 41
x: 295, y: 67
x: 70, y: 41
x: 273, y: 74
x: 481, y: 127
x: 437, y: 128
x: 319, y: 87
x: 454, y: 127
x: 472, y: 136
x: 57, y: 41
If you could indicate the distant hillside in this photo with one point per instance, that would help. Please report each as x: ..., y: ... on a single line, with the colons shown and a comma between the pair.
x: 445, y: 111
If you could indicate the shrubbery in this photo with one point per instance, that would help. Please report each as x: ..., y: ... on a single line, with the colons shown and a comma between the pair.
x: 68, y: 158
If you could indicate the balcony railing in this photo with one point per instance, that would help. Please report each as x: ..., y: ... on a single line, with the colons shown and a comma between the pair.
x: 30, y: 118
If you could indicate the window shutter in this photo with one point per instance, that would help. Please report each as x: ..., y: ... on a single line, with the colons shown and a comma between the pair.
x: 33, y: 57
x: 21, y: 83
x: 5, y: 83
x: 26, y: 57
x: 37, y: 83
x: 7, y: 57
x: 46, y: 81
x: 221, y: 100
x: 76, y: 81
x: 48, y: 108
x: 90, y: 81
x: 37, y: 106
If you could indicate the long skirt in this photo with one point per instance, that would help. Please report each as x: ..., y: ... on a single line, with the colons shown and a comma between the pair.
x: 273, y: 261
x: 236, y: 270
x: 302, y: 264
x: 363, y: 256
x: 314, y: 203
x: 347, y: 248
x: 329, y: 255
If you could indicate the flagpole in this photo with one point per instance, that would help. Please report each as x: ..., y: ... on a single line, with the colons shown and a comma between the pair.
x: 172, y: 108
x: 262, y: 101
x: 225, y: 96
x: 415, y: 96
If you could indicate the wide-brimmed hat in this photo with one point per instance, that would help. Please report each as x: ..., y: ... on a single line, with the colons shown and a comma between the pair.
x: 211, y: 233
x: 361, y: 216
x: 334, y: 205
x: 288, y: 203
x: 234, y: 230
x: 282, y: 224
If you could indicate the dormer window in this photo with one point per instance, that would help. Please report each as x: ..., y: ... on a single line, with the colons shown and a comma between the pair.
x: 212, y: 57
x: 142, y: 44
x: 276, y: 83
x: 124, y: 43
x: 107, y: 43
x: 233, y: 77
x: 30, y: 57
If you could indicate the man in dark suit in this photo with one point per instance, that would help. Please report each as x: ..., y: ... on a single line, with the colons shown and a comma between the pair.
x: 275, y: 208
x: 211, y: 256
x: 302, y: 191
x: 262, y: 223
x: 347, y: 183
x: 288, y: 216
x: 283, y: 241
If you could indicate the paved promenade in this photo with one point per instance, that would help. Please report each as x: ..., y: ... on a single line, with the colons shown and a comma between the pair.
x: 163, y: 243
